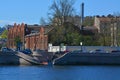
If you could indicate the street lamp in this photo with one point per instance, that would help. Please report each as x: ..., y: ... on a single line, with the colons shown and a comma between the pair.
x: 81, y: 46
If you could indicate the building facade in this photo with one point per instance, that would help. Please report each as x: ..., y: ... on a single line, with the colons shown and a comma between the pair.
x: 37, y: 40
x: 31, y: 36
x: 109, y: 28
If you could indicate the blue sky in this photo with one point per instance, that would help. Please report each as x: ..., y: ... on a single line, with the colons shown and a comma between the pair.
x: 30, y: 11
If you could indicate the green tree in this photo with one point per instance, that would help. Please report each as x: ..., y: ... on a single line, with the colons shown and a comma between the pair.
x: 89, y: 21
x: 69, y: 35
x: 17, y: 40
x: 4, y: 34
x: 90, y: 40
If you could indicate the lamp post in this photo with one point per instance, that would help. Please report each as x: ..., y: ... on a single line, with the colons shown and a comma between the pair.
x: 82, y: 26
x: 81, y: 46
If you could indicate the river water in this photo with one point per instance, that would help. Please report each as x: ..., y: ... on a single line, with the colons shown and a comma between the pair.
x: 60, y: 72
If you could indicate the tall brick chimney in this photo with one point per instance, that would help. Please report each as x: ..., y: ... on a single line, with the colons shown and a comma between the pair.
x: 82, y: 13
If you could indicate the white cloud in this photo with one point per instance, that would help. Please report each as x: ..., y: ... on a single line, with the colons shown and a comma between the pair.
x: 6, y: 22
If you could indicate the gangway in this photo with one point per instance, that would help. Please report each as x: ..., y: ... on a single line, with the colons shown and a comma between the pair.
x: 28, y: 58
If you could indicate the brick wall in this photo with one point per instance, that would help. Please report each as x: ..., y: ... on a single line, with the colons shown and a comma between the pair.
x: 37, y: 41
x: 16, y: 30
x: 34, y: 41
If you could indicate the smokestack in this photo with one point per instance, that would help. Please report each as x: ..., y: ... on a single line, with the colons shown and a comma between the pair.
x: 81, y: 28
x: 82, y: 13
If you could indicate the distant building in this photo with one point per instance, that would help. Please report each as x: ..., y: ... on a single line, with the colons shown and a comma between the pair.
x: 108, y: 26
x: 89, y: 30
x: 102, y: 21
x: 32, y: 36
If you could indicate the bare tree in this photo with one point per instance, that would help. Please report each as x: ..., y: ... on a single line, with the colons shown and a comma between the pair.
x: 61, y: 10
x: 105, y: 34
x: 42, y: 21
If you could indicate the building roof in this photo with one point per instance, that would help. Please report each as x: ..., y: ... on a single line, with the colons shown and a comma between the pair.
x: 108, y: 19
x: 105, y: 19
x: 32, y: 34
x: 35, y: 29
x: 89, y: 30
x: 48, y: 29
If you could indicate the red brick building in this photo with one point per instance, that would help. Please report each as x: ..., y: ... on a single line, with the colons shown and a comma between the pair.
x: 32, y: 36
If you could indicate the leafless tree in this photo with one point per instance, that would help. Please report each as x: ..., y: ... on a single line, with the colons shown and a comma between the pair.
x: 42, y: 21
x: 105, y: 34
x: 60, y: 11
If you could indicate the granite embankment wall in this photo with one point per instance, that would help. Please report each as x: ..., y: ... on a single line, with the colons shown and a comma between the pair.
x: 89, y: 48
x: 18, y: 58
x: 89, y: 58
x: 85, y: 48
x: 10, y: 58
x: 105, y: 58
